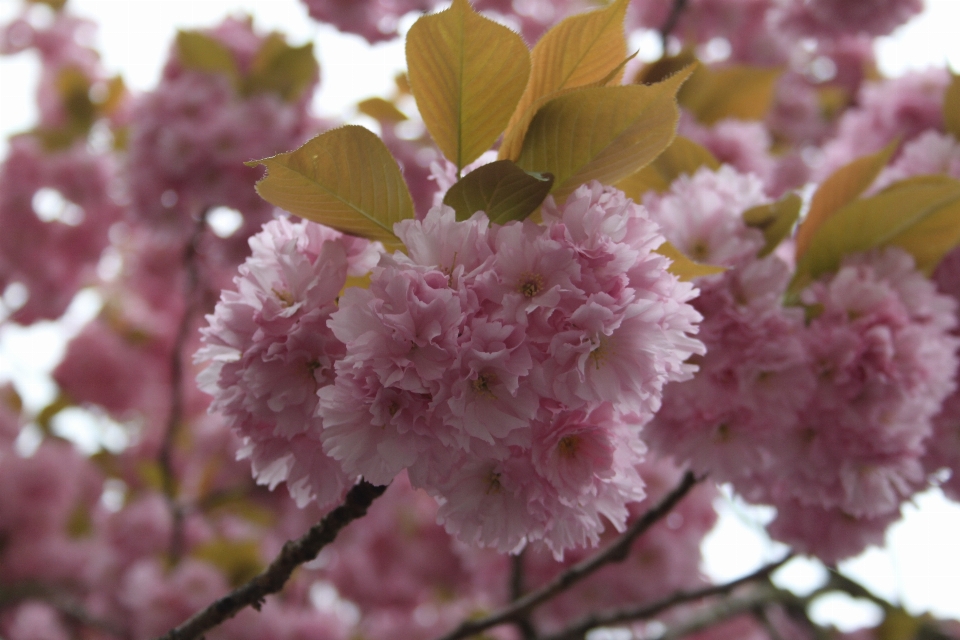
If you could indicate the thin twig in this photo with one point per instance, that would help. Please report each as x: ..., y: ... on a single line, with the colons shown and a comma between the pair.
x: 676, y: 10
x: 175, y: 415
x: 644, y: 612
x: 527, y: 630
x: 725, y: 609
x: 762, y: 615
x: 293, y: 554
x: 616, y: 552
x: 63, y: 603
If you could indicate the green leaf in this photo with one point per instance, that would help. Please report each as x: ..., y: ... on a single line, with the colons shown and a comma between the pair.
x: 601, y: 133
x: 920, y: 215
x: 579, y: 51
x: 775, y: 220
x: 685, y: 268
x: 80, y: 523
x: 239, y: 560
x: 501, y: 189
x: 344, y: 178
x: 200, y: 52
x: 841, y: 188
x: 383, y: 111
x: 73, y: 89
x: 279, y: 68
x: 44, y: 419
x: 683, y: 156
x: 56, y: 5
x: 736, y: 91
x: 666, y: 66
x: 951, y: 107
x: 467, y: 74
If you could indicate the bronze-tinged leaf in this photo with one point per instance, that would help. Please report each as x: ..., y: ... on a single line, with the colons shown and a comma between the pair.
x: 239, y: 560
x: 383, y: 111
x: 344, y: 178
x: 920, y: 215
x: 660, y: 70
x: 200, y: 52
x: 601, y: 133
x: 841, y: 188
x: 56, y: 5
x: 775, y: 220
x: 279, y: 68
x: 685, y: 268
x: 114, y: 95
x: 899, y: 625
x: 467, y: 74
x: 683, y: 156
x: 951, y: 107
x: 501, y: 189
x: 580, y: 51
x: 736, y: 91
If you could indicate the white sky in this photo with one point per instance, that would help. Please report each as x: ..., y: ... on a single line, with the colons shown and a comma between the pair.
x: 921, y: 562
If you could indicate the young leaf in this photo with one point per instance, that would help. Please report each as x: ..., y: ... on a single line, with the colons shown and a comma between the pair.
x: 601, y: 133
x: 467, y: 74
x: 951, y: 107
x: 666, y: 66
x: 239, y: 560
x: 579, y: 51
x: 738, y: 91
x: 279, y: 68
x: 921, y: 215
x: 344, y: 178
x: 200, y: 52
x: 845, y: 184
x: 383, y: 111
x: 775, y: 220
x: 56, y: 5
x: 685, y: 268
x: 501, y: 189
x: 683, y: 156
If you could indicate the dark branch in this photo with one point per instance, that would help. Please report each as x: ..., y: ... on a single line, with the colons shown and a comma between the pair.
x: 616, y: 552
x: 67, y: 606
x: 527, y: 630
x: 175, y: 415
x: 293, y: 554
x: 725, y: 609
x: 644, y: 612
x: 676, y: 10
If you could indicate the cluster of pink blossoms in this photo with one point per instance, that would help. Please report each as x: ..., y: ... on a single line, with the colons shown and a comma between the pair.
x: 508, y: 368
x: 271, y: 349
x: 824, y: 409
x: 190, y: 137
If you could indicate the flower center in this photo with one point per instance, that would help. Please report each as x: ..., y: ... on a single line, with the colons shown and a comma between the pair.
x: 568, y: 446
x: 530, y: 284
x: 286, y: 298
x: 483, y: 383
x: 493, y: 483
x: 599, y: 353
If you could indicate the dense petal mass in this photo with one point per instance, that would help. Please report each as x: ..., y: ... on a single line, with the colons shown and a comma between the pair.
x: 270, y: 350
x: 510, y: 367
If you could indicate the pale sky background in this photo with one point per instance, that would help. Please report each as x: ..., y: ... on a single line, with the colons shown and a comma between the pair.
x: 920, y: 564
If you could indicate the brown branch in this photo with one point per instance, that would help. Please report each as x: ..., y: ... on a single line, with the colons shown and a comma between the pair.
x: 527, y: 630
x: 725, y: 609
x: 676, y: 10
x: 616, y: 552
x: 66, y: 605
x: 644, y: 612
x: 293, y: 554
x: 175, y: 415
